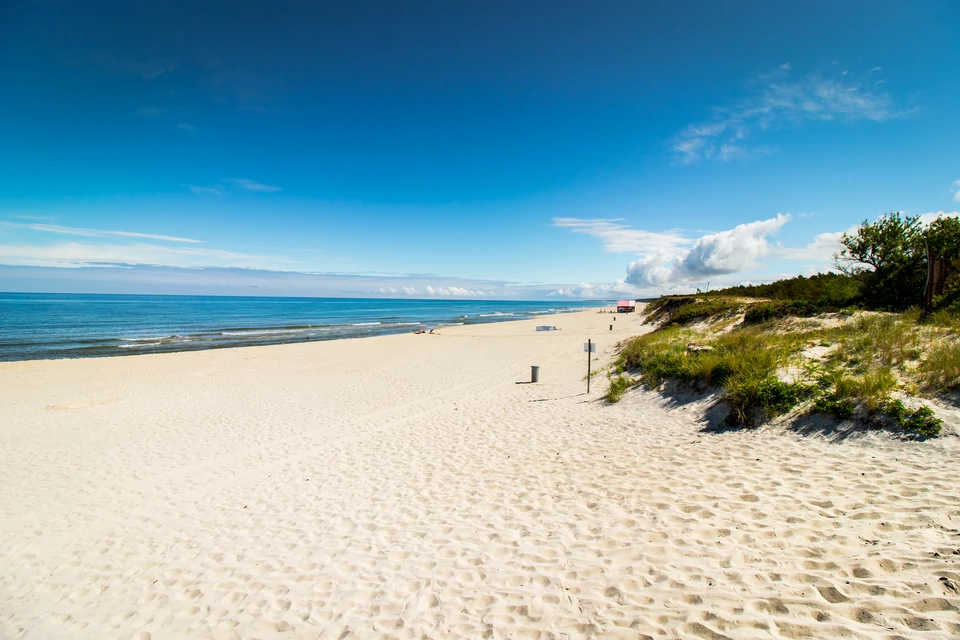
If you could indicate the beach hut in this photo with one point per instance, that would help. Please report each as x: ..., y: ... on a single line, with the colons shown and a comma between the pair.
x: 626, y: 306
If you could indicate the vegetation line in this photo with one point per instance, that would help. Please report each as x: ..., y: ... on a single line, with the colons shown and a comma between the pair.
x: 854, y: 344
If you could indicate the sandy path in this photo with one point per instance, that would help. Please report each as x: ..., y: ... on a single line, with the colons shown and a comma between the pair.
x: 406, y: 486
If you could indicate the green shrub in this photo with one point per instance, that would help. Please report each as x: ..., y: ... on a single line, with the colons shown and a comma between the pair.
x: 763, y: 311
x: 701, y: 309
x: 767, y: 394
x: 840, y: 393
x: 941, y: 370
x: 881, y: 338
x: 825, y: 288
x: 619, y: 385
x: 834, y: 405
x: 948, y: 318
x: 921, y: 420
x: 874, y: 387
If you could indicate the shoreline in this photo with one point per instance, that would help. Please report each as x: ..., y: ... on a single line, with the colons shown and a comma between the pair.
x: 43, y: 327
x: 420, y: 485
x: 438, y: 327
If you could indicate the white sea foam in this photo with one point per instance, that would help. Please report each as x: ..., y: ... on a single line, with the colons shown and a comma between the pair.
x: 262, y: 332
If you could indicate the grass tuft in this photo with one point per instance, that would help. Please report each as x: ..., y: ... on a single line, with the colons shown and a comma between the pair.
x: 619, y: 385
x: 941, y: 370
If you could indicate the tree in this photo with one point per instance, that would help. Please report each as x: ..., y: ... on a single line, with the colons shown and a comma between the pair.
x: 889, y: 256
x: 943, y: 239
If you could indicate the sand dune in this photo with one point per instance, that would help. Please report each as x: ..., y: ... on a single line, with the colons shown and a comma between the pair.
x: 407, y: 486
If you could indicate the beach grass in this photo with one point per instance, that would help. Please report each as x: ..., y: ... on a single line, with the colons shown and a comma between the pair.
x: 771, y: 366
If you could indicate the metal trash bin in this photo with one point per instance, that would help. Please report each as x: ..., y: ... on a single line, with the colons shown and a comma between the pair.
x: 534, y: 374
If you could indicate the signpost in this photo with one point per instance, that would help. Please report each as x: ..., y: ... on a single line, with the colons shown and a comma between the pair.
x: 589, y: 347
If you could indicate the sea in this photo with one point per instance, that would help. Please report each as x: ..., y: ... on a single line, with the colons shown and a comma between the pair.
x: 37, y: 326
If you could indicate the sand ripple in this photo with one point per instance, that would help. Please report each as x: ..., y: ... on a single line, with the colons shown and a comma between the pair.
x: 389, y: 488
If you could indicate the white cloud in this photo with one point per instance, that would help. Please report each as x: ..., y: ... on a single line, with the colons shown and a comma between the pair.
x: 720, y: 253
x: 255, y: 186
x: 822, y: 249
x: 430, y: 290
x: 927, y: 218
x: 75, y: 254
x: 78, y: 231
x: 956, y: 194
x: 618, y: 238
x: 451, y: 290
x: 205, y: 191
x: 586, y: 290
x: 778, y: 100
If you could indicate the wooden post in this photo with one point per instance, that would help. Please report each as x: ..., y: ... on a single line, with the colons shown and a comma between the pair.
x: 589, y: 349
x: 936, y: 272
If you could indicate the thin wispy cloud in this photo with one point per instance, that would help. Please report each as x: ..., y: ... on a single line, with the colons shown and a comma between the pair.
x: 77, y: 254
x: 30, y: 216
x: 146, y: 67
x: 205, y: 191
x: 780, y: 99
x: 80, y: 231
x: 252, y: 185
x: 619, y: 238
x: 956, y: 194
x: 186, y: 127
x: 151, y: 111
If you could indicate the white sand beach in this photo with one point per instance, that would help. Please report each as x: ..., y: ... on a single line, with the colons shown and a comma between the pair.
x: 410, y: 486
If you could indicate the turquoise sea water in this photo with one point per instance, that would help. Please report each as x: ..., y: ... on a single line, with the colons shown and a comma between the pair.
x: 42, y: 325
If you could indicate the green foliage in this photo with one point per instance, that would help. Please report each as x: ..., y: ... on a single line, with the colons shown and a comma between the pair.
x: 834, y: 405
x: 702, y: 309
x: 873, y: 388
x: 743, y: 363
x: 889, y: 257
x: 856, y: 379
x: 840, y: 392
x: 948, y: 318
x: 880, y: 338
x: 921, y: 420
x: 763, y: 311
x: 768, y: 394
x: 941, y: 370
x: 619, y: 385
x: 828, y: 289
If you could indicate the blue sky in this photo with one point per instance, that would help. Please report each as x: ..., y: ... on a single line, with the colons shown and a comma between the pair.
x: 494, y: 149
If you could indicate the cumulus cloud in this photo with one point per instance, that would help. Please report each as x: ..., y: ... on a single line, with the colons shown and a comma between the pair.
x: 619, y: 238
x: 430, y: 290
x: 458, y: 292
x: 407, y: 291
x: 720, y: 253
x: 587, y: 290
x: 927, y: 218
x: 822, y: 249
x: 779, y: 99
